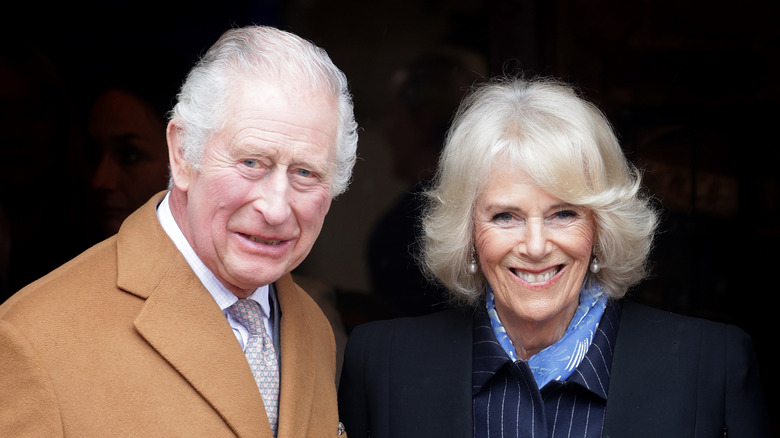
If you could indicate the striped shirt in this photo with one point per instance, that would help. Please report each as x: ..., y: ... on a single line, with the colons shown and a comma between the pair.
x: 508, y: 404
x: 221, y: 294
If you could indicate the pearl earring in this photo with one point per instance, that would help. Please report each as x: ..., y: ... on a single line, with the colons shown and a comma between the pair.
x: 472, y: 266
x: 594, y: 265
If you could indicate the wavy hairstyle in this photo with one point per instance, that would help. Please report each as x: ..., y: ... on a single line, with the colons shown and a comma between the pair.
x: 262, y: 53
x: 541, y: 127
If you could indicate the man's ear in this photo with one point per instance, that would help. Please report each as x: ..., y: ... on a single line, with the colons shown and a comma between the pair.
x: 181, y: 170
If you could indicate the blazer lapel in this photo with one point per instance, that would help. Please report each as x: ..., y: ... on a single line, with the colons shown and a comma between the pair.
x: 298, y: 371
x: 189, y: 330
x: 650, y: 384
x: 181, y: 321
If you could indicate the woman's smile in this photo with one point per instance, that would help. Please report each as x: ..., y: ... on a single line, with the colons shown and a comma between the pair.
x: 534, y: 277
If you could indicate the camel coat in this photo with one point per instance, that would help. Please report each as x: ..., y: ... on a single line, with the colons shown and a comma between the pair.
x: 125, y: 341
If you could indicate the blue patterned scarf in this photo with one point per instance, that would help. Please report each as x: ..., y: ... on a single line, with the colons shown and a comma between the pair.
x: 559, y: 360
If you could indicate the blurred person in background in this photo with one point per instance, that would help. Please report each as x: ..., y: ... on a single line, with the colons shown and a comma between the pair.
x: 424, y: 97
x: 126, y: 140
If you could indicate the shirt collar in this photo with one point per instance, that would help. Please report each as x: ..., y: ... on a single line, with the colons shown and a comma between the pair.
x: 592, y: 373
x: 218, y: 291
x: 488, y: 357
x: 559, y: 360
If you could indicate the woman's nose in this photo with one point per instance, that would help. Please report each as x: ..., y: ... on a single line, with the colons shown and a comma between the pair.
x: 105, y: 174
x: 536, y: 239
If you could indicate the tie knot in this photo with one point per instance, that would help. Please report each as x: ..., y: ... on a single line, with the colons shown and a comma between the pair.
x: 248, y: 313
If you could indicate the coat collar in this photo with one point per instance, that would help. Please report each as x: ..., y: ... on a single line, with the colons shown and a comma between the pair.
x: 183, y: 323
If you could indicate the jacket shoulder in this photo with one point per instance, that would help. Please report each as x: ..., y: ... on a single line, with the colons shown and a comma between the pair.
x: 414, y: 374
x: 682, y: 370
x: 443, y: 326
x: 77, y: 276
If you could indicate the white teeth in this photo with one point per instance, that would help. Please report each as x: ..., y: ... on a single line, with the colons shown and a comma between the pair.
x: 532, y: 278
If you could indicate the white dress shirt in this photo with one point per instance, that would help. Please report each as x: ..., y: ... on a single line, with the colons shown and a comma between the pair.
x: 218, y: 291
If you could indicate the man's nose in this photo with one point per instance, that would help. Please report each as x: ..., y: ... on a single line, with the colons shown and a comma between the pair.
x: 272, y: 197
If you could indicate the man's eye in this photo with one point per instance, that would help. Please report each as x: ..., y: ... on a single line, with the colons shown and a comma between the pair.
x: 306, y: 173
x: 251, y: 163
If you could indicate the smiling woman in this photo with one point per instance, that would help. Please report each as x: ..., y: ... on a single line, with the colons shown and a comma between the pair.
x: 534, y: 251
x: 537, y: 225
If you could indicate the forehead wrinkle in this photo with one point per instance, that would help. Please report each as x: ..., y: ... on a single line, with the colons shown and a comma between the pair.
x: 266, y: 143
x: 288, y: 129
x: 296, y: 151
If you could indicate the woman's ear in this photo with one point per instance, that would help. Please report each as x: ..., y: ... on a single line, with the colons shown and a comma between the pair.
x: 181, y: 170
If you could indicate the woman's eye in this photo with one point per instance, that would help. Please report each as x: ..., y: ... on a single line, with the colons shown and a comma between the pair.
x: 564, y: 217
x: 502, y: 217
x: 127, y: 155
x: 566, y: 214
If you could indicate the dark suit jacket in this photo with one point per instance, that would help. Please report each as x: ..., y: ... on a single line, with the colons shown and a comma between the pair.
x: 672, y: 376
x: 125, y: 341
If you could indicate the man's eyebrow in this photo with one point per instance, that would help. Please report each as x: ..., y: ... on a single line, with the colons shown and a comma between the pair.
x: 242, y: 149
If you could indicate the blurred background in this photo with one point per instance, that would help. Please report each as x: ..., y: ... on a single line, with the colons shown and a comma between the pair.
x: 691, y: 87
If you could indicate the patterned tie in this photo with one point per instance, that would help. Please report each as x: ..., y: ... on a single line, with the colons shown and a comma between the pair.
x: 261, y: 355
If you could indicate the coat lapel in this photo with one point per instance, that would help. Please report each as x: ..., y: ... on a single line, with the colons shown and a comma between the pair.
x: 181, y: 321
x: 297, y: 385
x: 655, y: 357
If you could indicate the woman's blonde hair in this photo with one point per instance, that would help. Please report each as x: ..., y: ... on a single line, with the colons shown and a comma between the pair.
x: 543, y: 128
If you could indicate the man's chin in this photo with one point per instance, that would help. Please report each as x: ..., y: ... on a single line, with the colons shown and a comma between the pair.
x: 248, y: 281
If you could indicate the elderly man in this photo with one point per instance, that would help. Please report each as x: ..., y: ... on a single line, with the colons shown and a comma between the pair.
x: 187, y: 322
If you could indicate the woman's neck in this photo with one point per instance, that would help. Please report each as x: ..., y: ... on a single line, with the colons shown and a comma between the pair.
x: 531, y: 337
